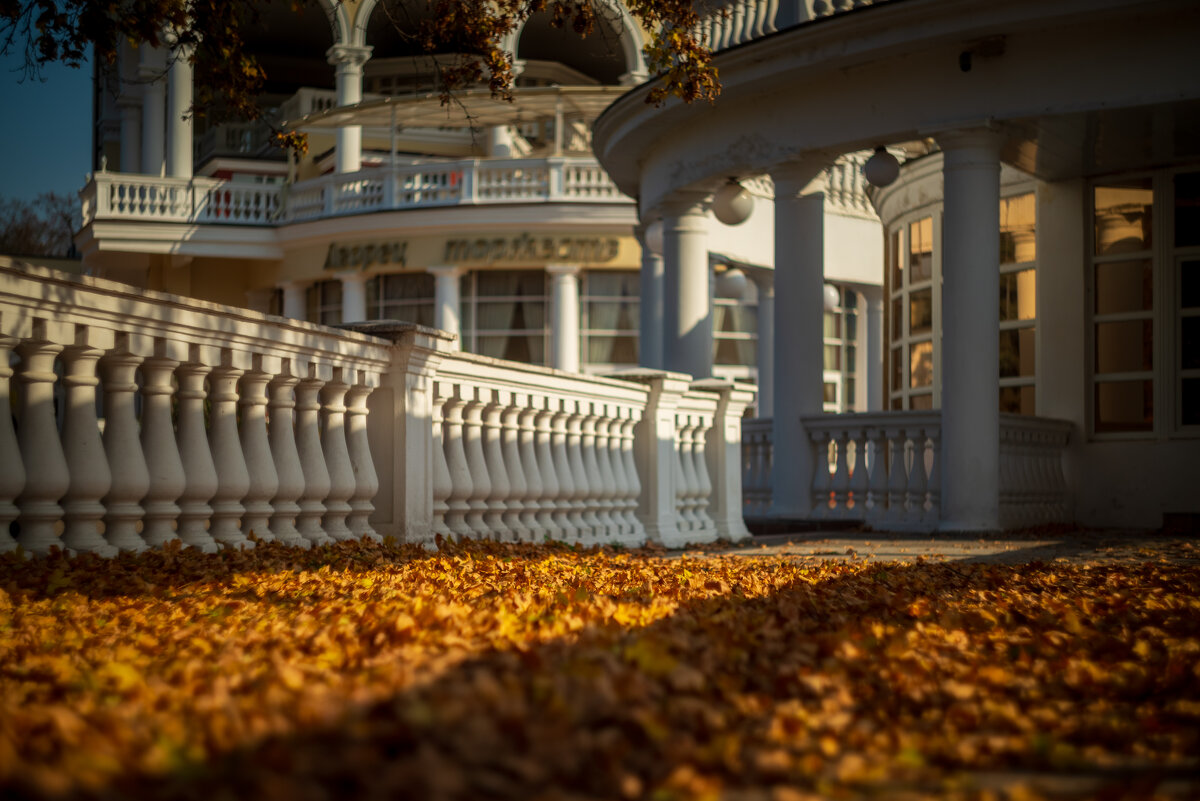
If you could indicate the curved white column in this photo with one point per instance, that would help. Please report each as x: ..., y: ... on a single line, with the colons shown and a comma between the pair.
x: 161, y: 451
x: 498, y: 474
x: 46, y: 473
x: 481, y: 485
x: 564, y: 316
x: 765, y: 356
x: 458, y: 505
x: 151, y: 69
x: 233, y: 479
x: 198, y: 467
x: 443, y: 485
x: 312, y: 459
x: 281, y: 436
x: 179, y: 113
x: 348, y: 61
x: 126, y: 462
x: 337, y: 457
x: 799, y: 360
x: 687, y: 286
x: 84, y: 452
x: 650, y: 306
x: 875, y: 389
x: 295, y: 300
x: 12, y: 470
x: 446, y: 299
x: 256, y: 450
x: 970, y: 329
x: 366, y: 480
x: 354, y: 297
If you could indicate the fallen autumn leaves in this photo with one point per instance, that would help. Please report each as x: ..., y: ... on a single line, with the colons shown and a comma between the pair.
x: 362, y: 671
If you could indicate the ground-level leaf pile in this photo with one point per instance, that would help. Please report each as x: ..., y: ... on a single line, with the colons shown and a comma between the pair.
x: 489, y: 671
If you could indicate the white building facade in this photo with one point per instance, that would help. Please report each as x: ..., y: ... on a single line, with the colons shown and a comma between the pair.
x: 1038, y: 306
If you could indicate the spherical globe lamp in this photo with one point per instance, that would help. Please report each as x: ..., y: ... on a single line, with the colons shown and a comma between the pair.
x: 653, y: 237
x: 732, y: 203
x: 882, y: 168
x: 833, y: 298
x: 730, y: 284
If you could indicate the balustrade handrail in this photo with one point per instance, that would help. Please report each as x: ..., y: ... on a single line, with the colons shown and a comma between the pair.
x: 729, y: 23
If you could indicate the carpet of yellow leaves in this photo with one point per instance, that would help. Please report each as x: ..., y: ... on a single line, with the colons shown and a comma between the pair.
x: 490, y: 671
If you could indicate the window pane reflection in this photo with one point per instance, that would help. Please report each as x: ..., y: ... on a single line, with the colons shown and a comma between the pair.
x: 920, y: 356
x: 1018, y: 295
x: 1018, y: 239
x: 1017, y: 353
x: 1018, y: 400
x: 1124, y: 217
x: 1187, y: 209
x: 920, y: 311
x: 920, y: 250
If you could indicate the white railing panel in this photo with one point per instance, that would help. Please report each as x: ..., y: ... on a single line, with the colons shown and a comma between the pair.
x: 1033, y: 483
x: 757, y: 456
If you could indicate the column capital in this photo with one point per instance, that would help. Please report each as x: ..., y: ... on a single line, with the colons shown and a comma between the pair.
x: 349, y: 55
x: 802, y: 177
x: 564, y: 269
x: 445, y: 270
x: 985, y: 137
x: 686, y: 203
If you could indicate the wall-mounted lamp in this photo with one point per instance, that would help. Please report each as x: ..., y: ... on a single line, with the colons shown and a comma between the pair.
x: 882, y: 168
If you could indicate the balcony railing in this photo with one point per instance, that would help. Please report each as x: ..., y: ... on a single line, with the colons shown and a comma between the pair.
x: 219, y: 424
x: 117, y: 196
x: 884, y: 469
x: 733, y: 22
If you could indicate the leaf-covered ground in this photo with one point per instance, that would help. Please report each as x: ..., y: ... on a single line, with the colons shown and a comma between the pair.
x: 489, y: 671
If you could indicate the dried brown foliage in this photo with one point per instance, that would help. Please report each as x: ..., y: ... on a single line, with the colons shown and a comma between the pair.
x: 360, y: 671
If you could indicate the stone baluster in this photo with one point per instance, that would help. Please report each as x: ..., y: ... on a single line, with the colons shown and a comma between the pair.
x: 493, y: 458
x: 860, y: 474
x: 82, y: 446
x: 547, y: 482
x: 442, y: 484
x: 281, y: 435
x: 233, y: 479
x: 262, y: 479
x: 876, y: 502
x: 126, y: 462
x: 821, y: 479
x: 933, y: 513
x: 606, y: 497
x: 840, y: 482
x: 634, y: 483
x: 619, y: 502
x: 526, y: 446
x: 201, y: 485
x: 366, y: 480
x: 481, y: 485
x: 46, y: 474
x: 458, y: 504
x: 916, y: 476
x: 515, y: 468
x: 312, y: 457
x: 897, y: 474
x: 12, y: 471
x: 337, y: 456
x: 683, y: 489
x: 562, y: 472
x: 161, y: 450
x: 703, y: 486
x: 593, y: 480
x: 579, y: 477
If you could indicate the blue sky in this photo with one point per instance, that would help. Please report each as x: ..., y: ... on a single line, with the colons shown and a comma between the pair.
x: 46, y: 133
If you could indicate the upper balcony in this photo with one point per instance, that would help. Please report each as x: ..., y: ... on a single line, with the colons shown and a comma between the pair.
x: 727, y: 23
x: 465, y: 182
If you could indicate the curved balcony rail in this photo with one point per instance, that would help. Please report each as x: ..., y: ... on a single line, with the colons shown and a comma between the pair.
x: 143, y: 419
x: 883, y: 468
x: 727, y: 23
x: 118, y: 196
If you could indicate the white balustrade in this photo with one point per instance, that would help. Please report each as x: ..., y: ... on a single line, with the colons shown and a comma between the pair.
x: 757, y: 454
x: 305, y: 435
x: 12, y: 470
x: 1033, y: 484
x: 122, y: 196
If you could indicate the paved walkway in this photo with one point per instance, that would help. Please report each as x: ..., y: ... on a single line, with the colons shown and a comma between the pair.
x: 1071, y: 545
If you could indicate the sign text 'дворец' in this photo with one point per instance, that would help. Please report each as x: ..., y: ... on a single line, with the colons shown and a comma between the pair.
x: 524, y: 247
